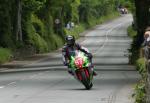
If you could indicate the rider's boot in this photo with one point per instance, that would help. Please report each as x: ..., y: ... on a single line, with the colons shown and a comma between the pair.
x: 70, y: 71
x: 94, y: 72
x: 92, y: 67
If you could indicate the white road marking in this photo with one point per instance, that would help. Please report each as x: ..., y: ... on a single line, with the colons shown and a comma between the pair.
x: 11, y: 83
x: 1, y: 87
x: 36, y: 75
x: 23, y: 79
x: 106, y: 39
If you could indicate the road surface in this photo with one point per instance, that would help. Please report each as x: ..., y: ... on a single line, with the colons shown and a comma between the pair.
x: 47, y: 81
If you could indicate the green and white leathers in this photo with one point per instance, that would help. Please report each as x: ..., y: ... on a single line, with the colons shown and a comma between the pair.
x: 79, y: 54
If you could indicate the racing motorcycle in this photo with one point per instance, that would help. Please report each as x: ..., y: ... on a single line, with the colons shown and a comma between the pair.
x: 80, y: 66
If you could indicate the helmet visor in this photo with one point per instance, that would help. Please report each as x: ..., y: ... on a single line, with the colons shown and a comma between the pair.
x: 70, y: 42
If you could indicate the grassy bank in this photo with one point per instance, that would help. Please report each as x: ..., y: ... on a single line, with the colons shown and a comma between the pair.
x: 5, y: 55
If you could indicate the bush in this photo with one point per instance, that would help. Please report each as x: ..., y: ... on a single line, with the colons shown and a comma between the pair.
x: 5, y: 55
x: 55, y: 41
x: 131, y: 32
x: 75, y: 31
x: 35, y: 34
x: 141, y: 66
x: 139, y: 94
x: 38, y: 25
x: 39, y: 43
x: 41, y: 36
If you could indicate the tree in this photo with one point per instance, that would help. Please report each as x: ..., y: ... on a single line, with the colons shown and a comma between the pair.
x: 18, y: 30
x: 6, y: 26
x: 142, y: 18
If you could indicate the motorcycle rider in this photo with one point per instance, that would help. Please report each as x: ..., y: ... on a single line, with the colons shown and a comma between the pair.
x: 70, y: 47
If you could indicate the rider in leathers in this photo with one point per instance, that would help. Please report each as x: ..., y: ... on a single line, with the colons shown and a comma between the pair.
x: 70, y: 47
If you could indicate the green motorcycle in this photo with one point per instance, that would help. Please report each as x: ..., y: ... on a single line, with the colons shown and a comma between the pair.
x: 80, y: 66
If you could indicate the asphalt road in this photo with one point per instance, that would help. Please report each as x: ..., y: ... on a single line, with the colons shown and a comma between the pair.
x: 47, y: 81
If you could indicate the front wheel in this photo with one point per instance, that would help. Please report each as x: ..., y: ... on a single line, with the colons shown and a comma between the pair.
x: 86, y: 81
x: 88, y: 87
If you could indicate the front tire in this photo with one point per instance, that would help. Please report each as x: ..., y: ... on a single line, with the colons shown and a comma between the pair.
x: 86, y: 81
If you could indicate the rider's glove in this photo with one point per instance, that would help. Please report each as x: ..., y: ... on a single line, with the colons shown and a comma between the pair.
x: 66, y: 64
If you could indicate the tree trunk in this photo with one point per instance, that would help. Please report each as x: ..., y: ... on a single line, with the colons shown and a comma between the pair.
x: 62, y: 20
x: 142, y: 12
x: 18, y: 24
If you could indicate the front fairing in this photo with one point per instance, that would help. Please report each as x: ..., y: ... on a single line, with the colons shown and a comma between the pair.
x: 81, y: 55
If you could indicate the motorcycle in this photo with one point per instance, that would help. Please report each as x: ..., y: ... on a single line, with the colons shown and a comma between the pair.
x: 81, y: 68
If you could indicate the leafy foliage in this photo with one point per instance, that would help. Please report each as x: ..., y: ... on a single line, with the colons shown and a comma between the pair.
x: 38, y: 20
x: 139, y: 94
x: 5, y: 55
x: 134, y: 47
x: 131, y: 32
x: 141, y: 66
x: 5, y: 23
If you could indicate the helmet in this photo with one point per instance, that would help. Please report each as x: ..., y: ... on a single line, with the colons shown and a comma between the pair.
x: 70, y: 40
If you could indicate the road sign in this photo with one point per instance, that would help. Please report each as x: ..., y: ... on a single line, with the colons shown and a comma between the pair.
x: 57, y: 21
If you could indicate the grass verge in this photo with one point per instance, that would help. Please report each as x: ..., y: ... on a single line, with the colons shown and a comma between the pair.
x: 5, y: 55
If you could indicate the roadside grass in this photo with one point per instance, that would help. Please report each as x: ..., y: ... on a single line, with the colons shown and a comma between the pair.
x: 5, y: 55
